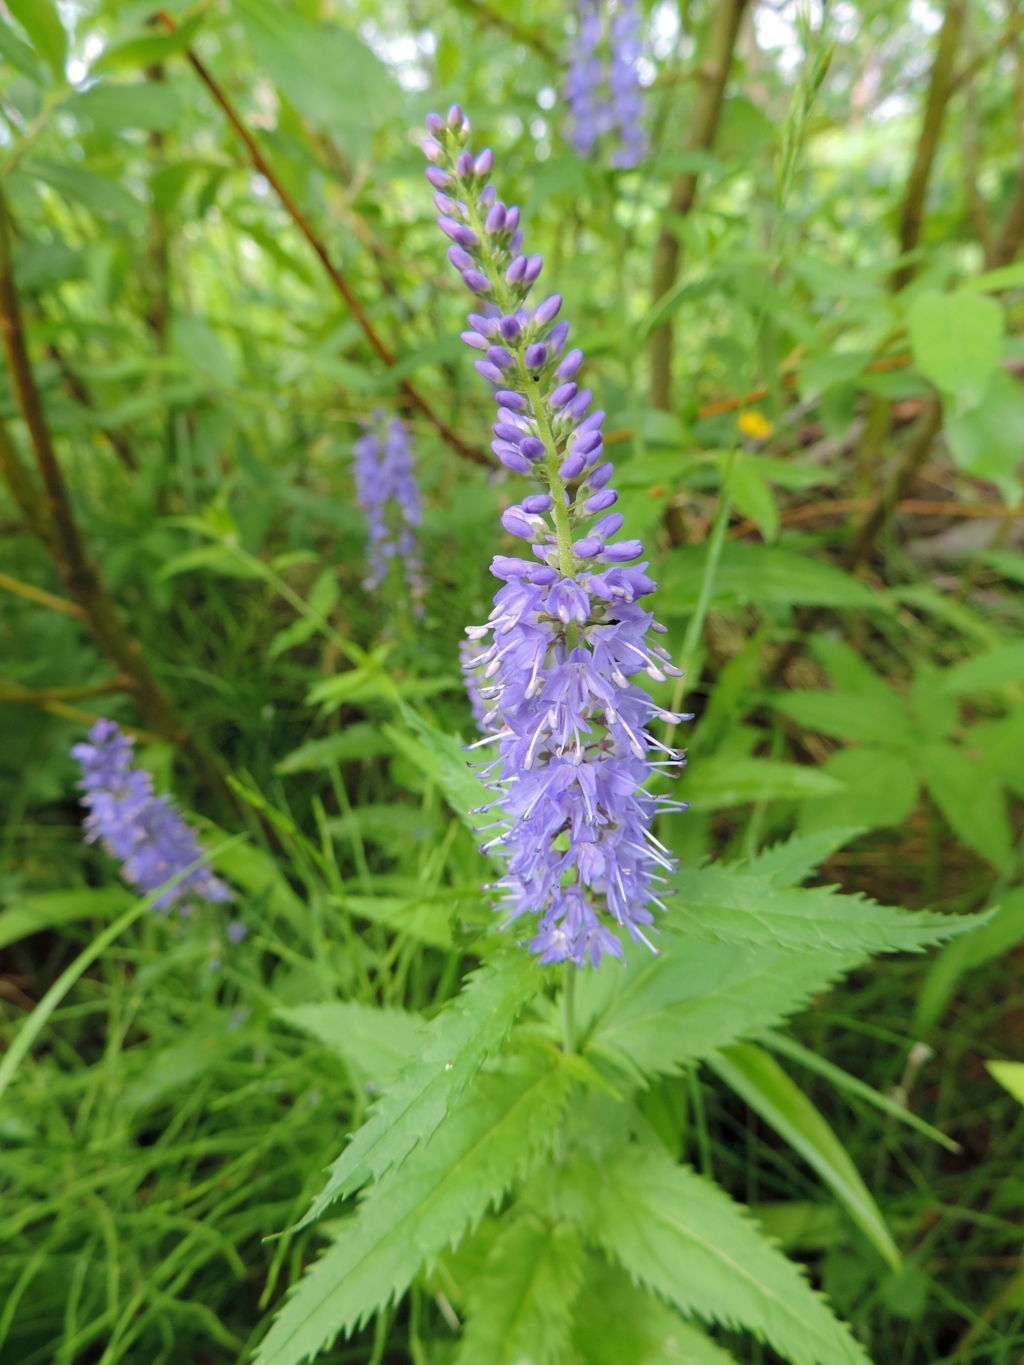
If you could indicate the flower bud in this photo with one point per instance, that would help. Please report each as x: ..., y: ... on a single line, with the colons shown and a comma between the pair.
x: 488, y: 370
x: 431, y: 149
x: 507, y: 432
x: 516, y: 270
x: 532, y: 447
x: 512, y: 218
x: 511, y: 458
x: 444, y: 203
x: 516, y: 521
x: 534, y: 266
x: 579, y: 404
x: 456, y: 118
x: 495, y: 220
x: 562, y: 395
x: 597, y: 502
x: 464, y: 166
x: 460, y: 259
x: 510, y: 329
x: 440, y: 180
x: 479, y: 284
x: 516, y: 243
x: 600, y: 476
x: 608, y: 526
x: 475, y: 340
x: 484, y: 163
x: 587, y: 442
x: 556, y: 337
x: 570, y: 364
x: 546, y: 311
x: 572, y: 466
x: 485, y: 326
x: 623, y: 551
x: 497, y: 355
x: 588, y: 547
x: 458, y: 232
x: 592, y: 422
x: 536, y: 356
x: 435, y: 124
x: 487, y: 197
x: 537, y: 503
x: 508, y: 398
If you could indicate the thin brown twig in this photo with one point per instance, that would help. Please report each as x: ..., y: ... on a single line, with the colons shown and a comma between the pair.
x: 50, y: 515
x: 383, y: 351
x: 522, y: 33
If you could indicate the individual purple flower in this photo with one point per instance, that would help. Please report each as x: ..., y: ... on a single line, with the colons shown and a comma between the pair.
x: 144, y: 832
x: 387, y: 492
x: 602, y: 84
x: 550, y: 673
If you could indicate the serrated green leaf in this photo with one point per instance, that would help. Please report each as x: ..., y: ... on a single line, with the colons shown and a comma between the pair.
x: 726, y: 780
x: 461, y: 1038
x: 151, y: 105
x: 758, y: 574
x: 965, y: 790
x: 759, y: 1080
x: 1010, y: 1076
x: 376, y: 1043
x: 957, y: 341
x: 355, y: 741
x: 446, y: 762
x: 698, y: 996
x: 874, y: 718
x: 682, y: 1237
x: 721, y: 905
x: 521, y: 1307
x: 40, y: 20
x: 618, y: 1323
x: 986, y: 672
x: 790, y: 862
x: 881, y: 790
x: 100, y: 196
x: 486, y: 1142
x: 147, y: 50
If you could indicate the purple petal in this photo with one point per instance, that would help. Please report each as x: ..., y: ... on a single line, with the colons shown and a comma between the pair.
x: 484, y: 163
x: 475, y: 340
x: 570, y: 364
x: 588, y: 547
x: 597, y: 502
x: 546, y: 311
x: 624, y: 550
x: 562, y: 395
x: 495, y: 220
x: 532, y: 448
x: 536, y: 355
x: 488, y: 370
x: 508, y: 398
x: 516, y: 270
x: 478, y: 283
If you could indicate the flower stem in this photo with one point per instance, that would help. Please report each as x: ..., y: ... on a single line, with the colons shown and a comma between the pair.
x: 569, y: 1009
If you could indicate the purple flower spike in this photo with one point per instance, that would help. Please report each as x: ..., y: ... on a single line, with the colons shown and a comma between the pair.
x: 144, y: 832
x: 602, y: 87
x: 386, y: 491
x: 552, y: 687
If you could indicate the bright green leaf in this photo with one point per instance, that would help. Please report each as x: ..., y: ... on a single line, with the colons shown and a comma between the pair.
x: 40, y: 20
x: 881, y: 791
x: 957, y: 342
x: 376, y: 1043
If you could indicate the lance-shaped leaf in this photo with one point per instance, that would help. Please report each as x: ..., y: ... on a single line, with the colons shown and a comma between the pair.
x: 521, y: 1307
x: 721, y: 904
x: 698, y: 996
x: 375, y: 1043
x: 486, y: 1142
x: 791, y: 862
x: 618, y: 1323
x: 679, y: 1235
x: 759, y: 1080
x: 460, y: 1039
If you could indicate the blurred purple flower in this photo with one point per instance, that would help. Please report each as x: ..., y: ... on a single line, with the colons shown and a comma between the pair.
x: 387, y: 492
x: 142, y: 831
x: 602, y: 84
x: 549, y: 674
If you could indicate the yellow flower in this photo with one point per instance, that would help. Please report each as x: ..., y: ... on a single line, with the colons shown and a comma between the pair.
x: 755, y: 424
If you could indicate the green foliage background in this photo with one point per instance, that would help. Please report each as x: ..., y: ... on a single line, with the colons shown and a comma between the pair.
x: 845, y: 405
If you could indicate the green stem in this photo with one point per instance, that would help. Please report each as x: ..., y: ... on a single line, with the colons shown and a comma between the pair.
x: 569, y: 1009
x: 707, y: 582
x: 37, y: 1020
